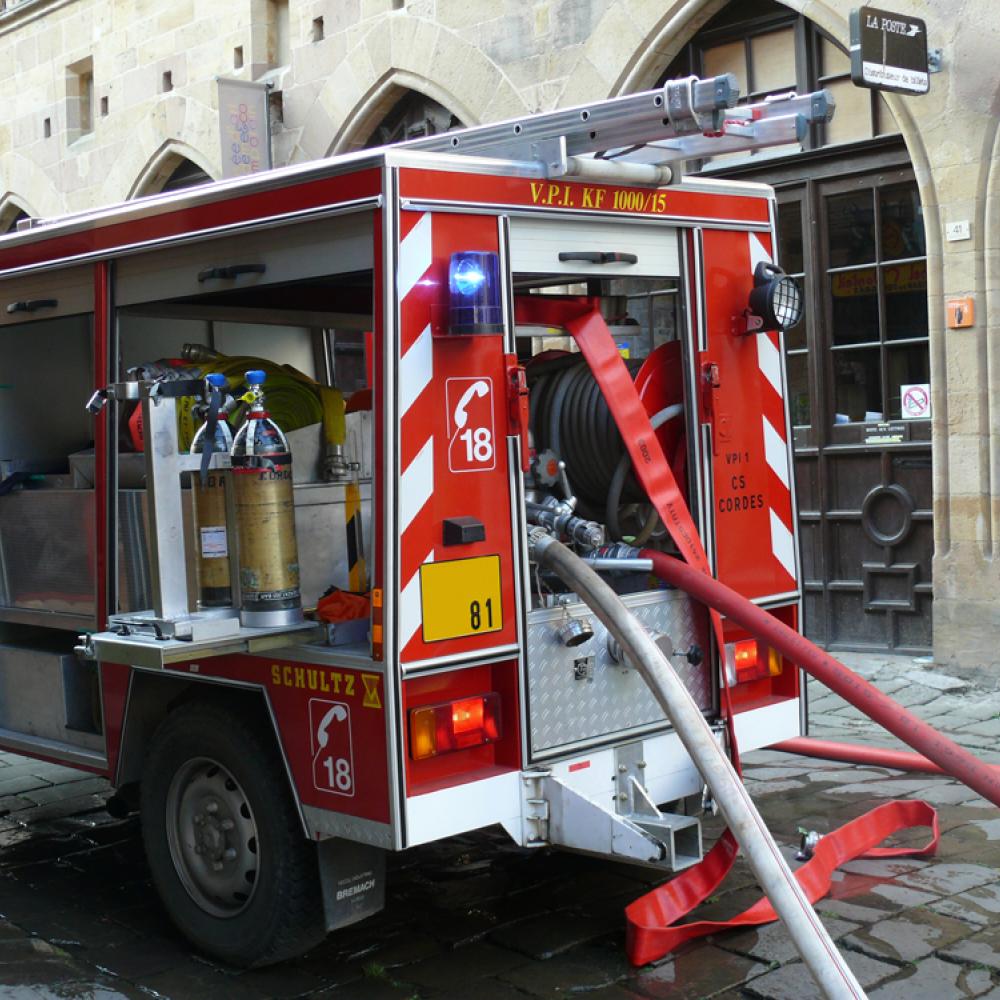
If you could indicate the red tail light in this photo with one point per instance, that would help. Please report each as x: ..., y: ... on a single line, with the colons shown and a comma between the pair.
x: 454, y: 725
x: 750, y: 660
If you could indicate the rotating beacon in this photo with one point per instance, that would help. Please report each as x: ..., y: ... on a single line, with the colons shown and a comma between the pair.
x: 208, y: 502
x: 265, y: 517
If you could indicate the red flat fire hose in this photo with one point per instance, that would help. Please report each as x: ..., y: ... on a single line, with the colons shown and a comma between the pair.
x: 852, y: 753
x: 649, y: 935
x: 652, y: 919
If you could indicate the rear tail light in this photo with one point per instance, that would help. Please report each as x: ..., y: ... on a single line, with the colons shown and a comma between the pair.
x: 750, y: 660
x: 454, y: 725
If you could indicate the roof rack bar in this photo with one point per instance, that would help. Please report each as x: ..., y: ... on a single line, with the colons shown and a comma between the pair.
x: 679, y: 107
x: 684, y: 119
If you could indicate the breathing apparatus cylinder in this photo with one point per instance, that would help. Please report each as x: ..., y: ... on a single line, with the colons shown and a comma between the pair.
x: 265, y: 517
x: 208, y: 502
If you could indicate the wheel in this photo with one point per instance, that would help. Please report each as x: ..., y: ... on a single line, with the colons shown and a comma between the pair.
x: 223, y: 839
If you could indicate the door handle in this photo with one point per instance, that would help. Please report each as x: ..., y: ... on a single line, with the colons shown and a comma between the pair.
x: 31, y: 305
x: 230, y: 271
x: 598, y: 257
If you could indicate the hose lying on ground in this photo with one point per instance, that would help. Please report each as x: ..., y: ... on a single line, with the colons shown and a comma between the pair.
x: 851, y: 753
x: 789, y: 901
x: 935, y: 746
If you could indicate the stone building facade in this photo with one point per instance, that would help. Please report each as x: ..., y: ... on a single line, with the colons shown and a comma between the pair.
x: 107, y: 100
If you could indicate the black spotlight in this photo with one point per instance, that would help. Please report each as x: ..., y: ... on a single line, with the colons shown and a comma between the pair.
x: 775, y: 299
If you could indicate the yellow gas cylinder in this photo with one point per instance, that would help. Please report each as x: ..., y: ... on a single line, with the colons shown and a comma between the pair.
x: 208, y: 505
x: 265, y: 518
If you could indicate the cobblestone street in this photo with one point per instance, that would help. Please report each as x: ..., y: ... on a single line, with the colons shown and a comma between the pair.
x: 478, y: 918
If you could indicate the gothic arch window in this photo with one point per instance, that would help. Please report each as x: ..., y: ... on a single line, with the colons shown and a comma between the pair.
x: 185, y: 174
x: 10, y: 219
x: 413, y: 116
x: 171, y: 172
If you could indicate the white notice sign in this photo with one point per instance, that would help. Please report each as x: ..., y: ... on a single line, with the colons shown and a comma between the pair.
x: 916, y: 401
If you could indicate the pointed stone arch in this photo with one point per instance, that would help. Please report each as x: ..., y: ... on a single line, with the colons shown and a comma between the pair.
x: 35, y: 192
x: 164, y: 164
x: 382, y: 98
x: 181, y: 126
x: 12, y: 208
x: 399, y: 54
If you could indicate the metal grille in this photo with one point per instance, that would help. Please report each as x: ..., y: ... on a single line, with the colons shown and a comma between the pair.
x: 574, y: 702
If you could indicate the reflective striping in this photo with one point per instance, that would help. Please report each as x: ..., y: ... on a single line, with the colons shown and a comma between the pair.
x: 782, y: 544
x: 416, y: 485
x: 409, y: 606
x: 416, y: 369
x: 769, y: 360
x: 757, y: 252
x: 776, y: 452
x: 414, y: 256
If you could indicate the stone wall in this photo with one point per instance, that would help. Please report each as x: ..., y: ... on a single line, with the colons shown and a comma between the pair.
x: 490, y: 60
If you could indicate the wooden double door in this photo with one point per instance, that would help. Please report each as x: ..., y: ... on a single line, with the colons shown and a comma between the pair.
x: 858, y: 386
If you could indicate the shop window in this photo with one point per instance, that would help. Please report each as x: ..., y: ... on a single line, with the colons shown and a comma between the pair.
x: 791, y: 256
x: 876, y: 280
x: 772, y: 57
x: 728, y: 58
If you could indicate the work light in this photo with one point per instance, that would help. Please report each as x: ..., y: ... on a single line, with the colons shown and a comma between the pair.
x: 775, y: 297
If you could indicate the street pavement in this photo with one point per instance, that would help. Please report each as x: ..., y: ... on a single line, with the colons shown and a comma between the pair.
x: 475, y: 918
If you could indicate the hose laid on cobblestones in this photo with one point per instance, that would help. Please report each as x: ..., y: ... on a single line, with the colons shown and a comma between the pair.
x: 936, y: 747
x: 787, y: 897
x: 852, y: 753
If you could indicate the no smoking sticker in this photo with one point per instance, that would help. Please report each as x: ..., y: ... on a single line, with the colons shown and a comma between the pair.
x: 916, y: 401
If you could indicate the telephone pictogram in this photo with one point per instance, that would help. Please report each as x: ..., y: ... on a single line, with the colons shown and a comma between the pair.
x: 471, y: 446
x: 333, y: 752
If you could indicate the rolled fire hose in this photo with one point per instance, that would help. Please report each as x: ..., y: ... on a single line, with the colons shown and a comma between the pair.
x: 852, y: 753
x: 935, y: 746
x: 810, y: 937
x: 294, y: 399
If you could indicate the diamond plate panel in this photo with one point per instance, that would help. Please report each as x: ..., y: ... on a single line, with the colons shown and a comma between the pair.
x: 610, y: 701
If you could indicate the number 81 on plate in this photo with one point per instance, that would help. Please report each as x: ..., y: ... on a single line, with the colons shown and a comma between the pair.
x: 460, y: 597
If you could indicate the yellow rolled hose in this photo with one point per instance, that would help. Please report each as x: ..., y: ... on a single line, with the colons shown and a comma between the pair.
x: 294, y: 399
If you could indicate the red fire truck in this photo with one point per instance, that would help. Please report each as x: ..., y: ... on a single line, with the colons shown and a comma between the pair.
x: 274, y: 761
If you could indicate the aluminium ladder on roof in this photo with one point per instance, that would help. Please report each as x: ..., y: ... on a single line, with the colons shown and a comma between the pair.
x: 682, y: 120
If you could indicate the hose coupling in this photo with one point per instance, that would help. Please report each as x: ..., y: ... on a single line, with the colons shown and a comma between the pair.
x: 539, y: 540
x: 807, y: 844
x: 558, y: 517
x: 616, y: 550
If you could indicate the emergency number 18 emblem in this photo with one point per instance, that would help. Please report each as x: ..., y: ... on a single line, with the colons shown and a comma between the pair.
x: 471, y: 435
x: 332, y: 747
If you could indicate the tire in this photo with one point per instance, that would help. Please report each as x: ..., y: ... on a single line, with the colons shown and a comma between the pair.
x: 223, y: 839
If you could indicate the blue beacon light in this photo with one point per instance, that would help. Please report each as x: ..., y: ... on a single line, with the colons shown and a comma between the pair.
x: 474, y: 291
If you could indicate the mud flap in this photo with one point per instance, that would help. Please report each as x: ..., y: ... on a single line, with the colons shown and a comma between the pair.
x: 352, y: 877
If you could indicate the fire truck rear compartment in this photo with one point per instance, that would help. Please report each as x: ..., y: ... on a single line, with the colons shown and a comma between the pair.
x: 315, y: 322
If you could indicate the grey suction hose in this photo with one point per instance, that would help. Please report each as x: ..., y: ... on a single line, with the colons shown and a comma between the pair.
x: 617, y: 484
x: 810, y: 937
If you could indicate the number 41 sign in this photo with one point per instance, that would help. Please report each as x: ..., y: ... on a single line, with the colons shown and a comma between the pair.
x: 471, y: 434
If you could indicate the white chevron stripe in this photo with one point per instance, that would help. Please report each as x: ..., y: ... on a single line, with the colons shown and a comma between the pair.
x: 416, y: 485
x: 769, y: 361
x: 776, y: 452
x: 410, y: 612
x: 416, y: 369
x: 414, y: 256
x: 782, y: 544
x: 757, y: 252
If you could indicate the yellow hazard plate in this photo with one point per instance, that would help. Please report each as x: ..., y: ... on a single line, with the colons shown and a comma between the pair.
x: 460, y: 597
